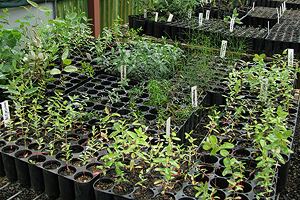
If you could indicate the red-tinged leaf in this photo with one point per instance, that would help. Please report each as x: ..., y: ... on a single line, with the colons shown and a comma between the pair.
x: 95, y: 173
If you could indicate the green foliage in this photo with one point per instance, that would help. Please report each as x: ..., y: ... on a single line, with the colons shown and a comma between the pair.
x: 144, y: 59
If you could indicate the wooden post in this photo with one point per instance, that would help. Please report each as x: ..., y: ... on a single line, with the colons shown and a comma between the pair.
x: 94, y: 13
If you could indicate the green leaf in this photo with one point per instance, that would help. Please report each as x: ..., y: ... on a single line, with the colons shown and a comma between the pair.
x: 65, y: 55
x: 44, y: 9
x: 224, y: 153
x: 213, y: 139
x: 227, y: 145
x: 33, y: 3
x: 70, y: 69
x: 12, y: 91
x: 67, y: 61
x: 55, y: 71
x: 72, y: 16
x: 31, y: 90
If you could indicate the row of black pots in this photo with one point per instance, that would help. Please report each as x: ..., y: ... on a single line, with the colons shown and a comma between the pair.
x: 44, y: 173
x: 218, y: 30
x: 283, y: 36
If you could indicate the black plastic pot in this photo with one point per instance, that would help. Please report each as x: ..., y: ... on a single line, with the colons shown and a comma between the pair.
x: 9, y: 162
x: 84, y: 190
x: 66, y: 184
x: 158, y: 29
x: 22, y: 167
x: 103, y: 194
x: 51, y: 178
x: 36, y: 173
x: 149, y: 27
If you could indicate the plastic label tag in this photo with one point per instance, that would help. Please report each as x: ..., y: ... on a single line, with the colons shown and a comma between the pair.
x: 194, y: 96
x: 278, y: 15
x: 145, y: 13
x: 200, y: 19
x: 253, y: 6
x: 264, y: 89
x: 189, y: 14
x: 290, y: 57
x: 268, y: 27
x: 284, y: 4
x: 156, y: 16
x: 232, y: 24
x: 88, y: 56
x: 170, y: 18
x: 207, y: 14
x: 5, y: 112
x: 123, y: 73
x: 223, y: 48
x: 280, y: 11
x: 168, y: 126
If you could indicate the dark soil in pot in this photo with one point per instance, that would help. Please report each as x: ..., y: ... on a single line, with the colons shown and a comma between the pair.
x: 143, y: 193
x: 123, y: 188
x: 104, y: 184
x: 164, y: 197
x: 67, y: 172
x: 83, y: 178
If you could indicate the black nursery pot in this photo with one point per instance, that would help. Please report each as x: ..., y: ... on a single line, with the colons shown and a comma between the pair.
x: 36, y: 173
x: 66, y: 185
x: 158, y: 29
x: 149, y: 27
x: 84, y: 190
x: 9, y: 162
x: 103, y: 194
x: 22, y: 167
x: 2, y: 172
x: 131, y: 19
x: 51, y: 178
x: 139, y: 23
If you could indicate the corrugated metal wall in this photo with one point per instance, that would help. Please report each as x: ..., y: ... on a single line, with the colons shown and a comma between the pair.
x: 109, y: 10
x: 71, y: 6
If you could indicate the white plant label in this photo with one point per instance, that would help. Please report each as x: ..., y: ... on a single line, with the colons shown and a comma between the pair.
x: 290, y: 57
x: 168, y: 126
x: 189, y: 14
x: 278, y: 15
x: 268, y: 27
x: 170, y: 18
x: 223, y: 48
x: 264, y: 89
x: 123, y: 73
x: 145, y: 13
x: 156, y: 16
x: 284, y: 4
x: 253, y: 6
x: 232, y: 24
x: 280, y: 11
x: 88, y: 56
x: 207, y: 14
x: 200, y: 19
x: 194, y: 96
x: 5, y: 112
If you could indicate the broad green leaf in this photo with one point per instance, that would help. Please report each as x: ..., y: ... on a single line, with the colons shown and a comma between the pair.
x: 55, y: 71
x: 33, y: 3
x: 213, y: 139
x: 44, y: 9
x: 224, y: 153
x: 70, y: 69
x: 31, y: 90
x: 206, y: 146
x: 106, y: 110
x: 287, y: 133
x: 65, y: 55
x: 72, y: 16
x: 67, y: 61
x: 227, y: 145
